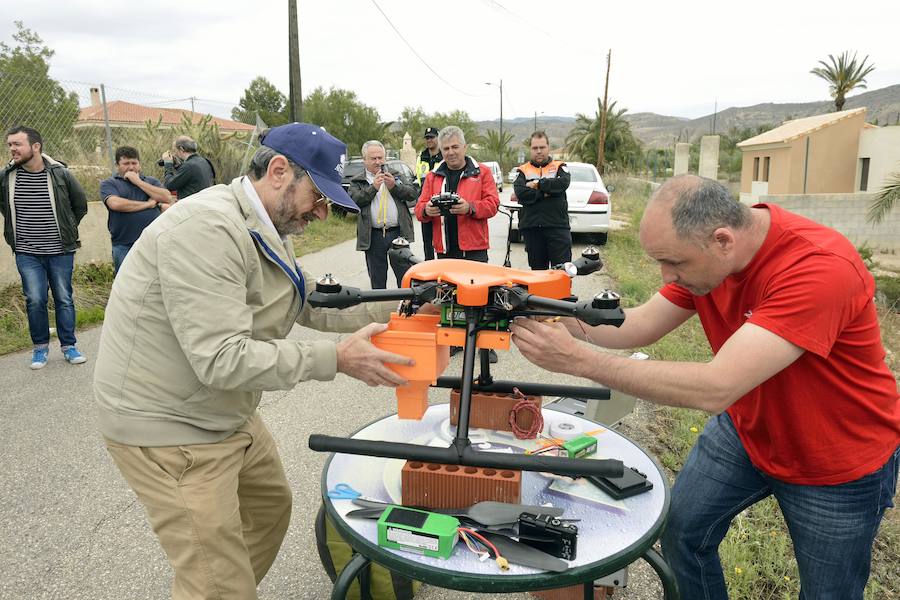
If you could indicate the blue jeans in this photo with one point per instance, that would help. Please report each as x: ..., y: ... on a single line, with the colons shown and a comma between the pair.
x: 37, y: 272
x: 119, y: 251
x: 832, y: 527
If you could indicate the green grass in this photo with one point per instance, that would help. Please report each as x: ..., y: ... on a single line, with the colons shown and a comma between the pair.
x: 91, y: 284
x: 324, y: 234
x: 757, y: 555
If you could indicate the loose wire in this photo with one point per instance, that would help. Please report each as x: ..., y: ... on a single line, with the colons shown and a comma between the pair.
x: 537, y: 422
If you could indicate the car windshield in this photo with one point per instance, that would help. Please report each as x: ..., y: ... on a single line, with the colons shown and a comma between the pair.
x: 353, y: 168
x: 582, y: 174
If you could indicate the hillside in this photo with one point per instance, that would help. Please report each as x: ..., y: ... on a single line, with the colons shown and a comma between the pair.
x: 658, y: 131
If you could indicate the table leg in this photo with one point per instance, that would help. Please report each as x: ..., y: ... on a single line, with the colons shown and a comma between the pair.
x: 666, y: 576
x: 345, y: 579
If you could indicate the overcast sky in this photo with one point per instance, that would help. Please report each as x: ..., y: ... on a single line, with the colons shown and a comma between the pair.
x: 672, y: 58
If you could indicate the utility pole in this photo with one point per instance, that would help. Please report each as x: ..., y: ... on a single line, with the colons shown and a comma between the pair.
x: 502, y: 141
x: 715, y: 112
x: 296, y: 94
x: 602, y: 142
x: 535, y: 121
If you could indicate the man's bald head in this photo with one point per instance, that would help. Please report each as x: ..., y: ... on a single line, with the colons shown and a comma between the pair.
x: 185, y: 144
x: 695, y: 207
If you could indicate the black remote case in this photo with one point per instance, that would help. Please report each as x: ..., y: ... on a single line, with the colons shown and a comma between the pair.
x: 631, y: 483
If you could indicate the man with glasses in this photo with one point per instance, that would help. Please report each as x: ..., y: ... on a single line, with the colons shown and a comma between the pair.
x: 384, y: 201
x: 195, y: 330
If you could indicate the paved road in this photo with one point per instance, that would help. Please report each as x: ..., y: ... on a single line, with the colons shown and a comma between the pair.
x: 73, y: 529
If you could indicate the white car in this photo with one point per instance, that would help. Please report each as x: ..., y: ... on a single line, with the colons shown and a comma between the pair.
x: 589, y: 204
x: 495, y: 171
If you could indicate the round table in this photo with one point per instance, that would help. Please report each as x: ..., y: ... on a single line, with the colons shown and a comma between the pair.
x: 611, y: 534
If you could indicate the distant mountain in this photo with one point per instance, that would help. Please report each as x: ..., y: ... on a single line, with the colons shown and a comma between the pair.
x: 557, y: 128
x: 658, y: 131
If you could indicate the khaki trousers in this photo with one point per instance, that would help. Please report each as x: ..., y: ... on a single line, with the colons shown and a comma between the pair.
x: 220, y: 510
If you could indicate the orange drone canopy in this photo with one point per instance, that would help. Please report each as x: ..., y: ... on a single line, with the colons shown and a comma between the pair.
x: 473, y: 279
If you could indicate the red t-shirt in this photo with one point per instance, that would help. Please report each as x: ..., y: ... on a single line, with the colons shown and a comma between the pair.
x: 833, y: 415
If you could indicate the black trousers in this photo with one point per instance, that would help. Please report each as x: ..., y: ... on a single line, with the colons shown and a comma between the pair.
x: 428, y: 239
x: 547, y: 246
x: 477, y: 255
x: 377, y: 258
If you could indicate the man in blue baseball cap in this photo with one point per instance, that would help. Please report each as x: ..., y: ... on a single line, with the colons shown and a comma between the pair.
x: 195, y: 330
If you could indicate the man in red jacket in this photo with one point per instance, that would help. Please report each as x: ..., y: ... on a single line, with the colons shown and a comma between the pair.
x: 464, y: 232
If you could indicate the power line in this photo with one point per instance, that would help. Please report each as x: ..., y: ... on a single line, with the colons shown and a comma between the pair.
x: 413, y: 50
x: 565, y: 40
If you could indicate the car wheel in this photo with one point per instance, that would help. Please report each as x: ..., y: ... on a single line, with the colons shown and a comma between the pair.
x: 515, y: 236
x: 599, y: 238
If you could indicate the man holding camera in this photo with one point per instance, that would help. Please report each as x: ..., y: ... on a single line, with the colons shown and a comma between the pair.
x: 458, y: 197
x: 384, y: 203
x: 186, y: 172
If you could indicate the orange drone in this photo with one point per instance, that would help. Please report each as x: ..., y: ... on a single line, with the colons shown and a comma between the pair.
x: 477, y: 302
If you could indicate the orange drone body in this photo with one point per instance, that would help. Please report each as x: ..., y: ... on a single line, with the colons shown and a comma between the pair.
x: 473, y: 279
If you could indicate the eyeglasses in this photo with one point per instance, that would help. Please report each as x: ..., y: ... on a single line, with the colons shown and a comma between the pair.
x: 321, y: 200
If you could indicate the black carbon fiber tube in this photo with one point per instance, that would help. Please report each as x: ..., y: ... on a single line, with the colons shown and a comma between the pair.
x: 466, y: 457
x: 530, y: 389
x: 351, y: 296
x: 582, y: 310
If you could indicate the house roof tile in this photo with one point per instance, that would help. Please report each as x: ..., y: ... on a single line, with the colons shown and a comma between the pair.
x: 791, y: 130
x: 121, y: 112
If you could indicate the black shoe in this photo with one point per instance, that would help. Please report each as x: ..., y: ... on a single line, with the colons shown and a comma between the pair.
x: 492, y: 356
x: 454, y: 350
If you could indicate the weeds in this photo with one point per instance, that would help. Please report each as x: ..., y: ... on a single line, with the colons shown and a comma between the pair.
x: 90, y: 288
x: 323, y: 234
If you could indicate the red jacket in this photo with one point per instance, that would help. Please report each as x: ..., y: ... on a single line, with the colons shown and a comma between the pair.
x: 477, y: 187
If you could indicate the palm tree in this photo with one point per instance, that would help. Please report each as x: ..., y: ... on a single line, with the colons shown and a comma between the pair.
x: 885, y: 200
x: 843, y: 75
x: 496, y: 148
x: 621, y: 147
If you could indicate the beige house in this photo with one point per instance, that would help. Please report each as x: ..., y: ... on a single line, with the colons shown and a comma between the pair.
x: 813, y: 155
x: 878, y: 157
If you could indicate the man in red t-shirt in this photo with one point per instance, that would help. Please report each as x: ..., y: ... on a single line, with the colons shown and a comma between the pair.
x: 804, y: 406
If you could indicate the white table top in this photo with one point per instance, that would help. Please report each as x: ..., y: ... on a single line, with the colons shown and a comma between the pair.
x: 606, y: 528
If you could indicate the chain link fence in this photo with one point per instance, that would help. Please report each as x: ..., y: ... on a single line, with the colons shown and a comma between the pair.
x: 83, y: 123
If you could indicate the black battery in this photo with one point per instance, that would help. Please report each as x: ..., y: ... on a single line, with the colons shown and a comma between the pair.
x: 556, y: 538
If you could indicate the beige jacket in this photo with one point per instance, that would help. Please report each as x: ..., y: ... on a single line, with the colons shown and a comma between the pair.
x: 195, y: 326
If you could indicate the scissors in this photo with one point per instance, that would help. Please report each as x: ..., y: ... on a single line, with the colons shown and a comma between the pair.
x: 342, y: 491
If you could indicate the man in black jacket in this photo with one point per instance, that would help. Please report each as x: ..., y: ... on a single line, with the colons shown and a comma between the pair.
x: 42, y: 205
x: 428, y: 160
x: 544, y: 217
x: 195, y: 172
x: 384, y: 203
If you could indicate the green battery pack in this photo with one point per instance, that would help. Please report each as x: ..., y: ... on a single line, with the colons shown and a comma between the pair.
x: 454, y: 315
x: 583, y: 445
x: 414, y: 530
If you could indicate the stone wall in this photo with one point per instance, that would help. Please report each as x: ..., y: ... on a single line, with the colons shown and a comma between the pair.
x: 845, y: 213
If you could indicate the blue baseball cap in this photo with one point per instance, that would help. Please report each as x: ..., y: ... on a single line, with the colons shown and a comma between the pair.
x: 317, y: 151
